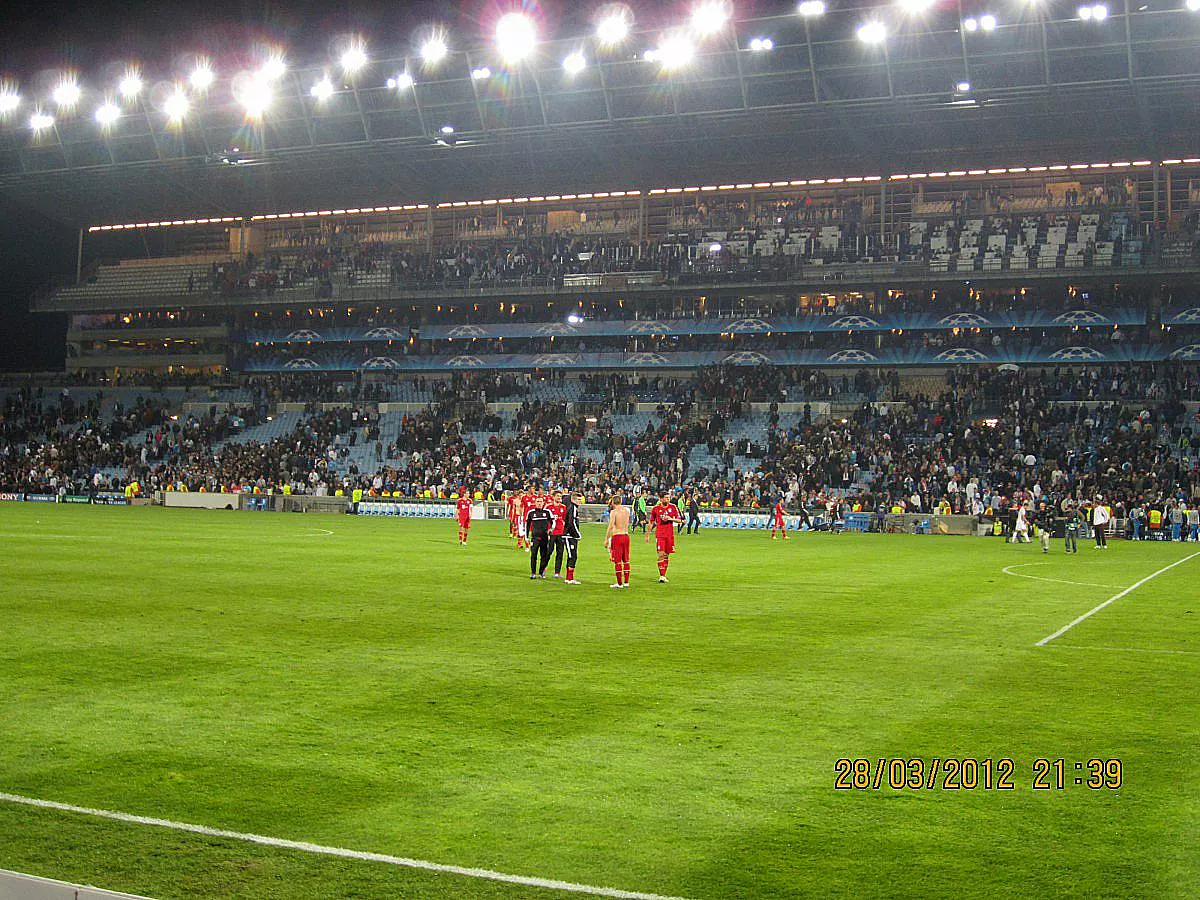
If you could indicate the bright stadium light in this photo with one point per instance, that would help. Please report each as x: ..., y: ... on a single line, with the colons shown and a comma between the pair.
x: 1095, y: 13
x: 401, y: 82
x: 963, y: 87
x: 108, y: 114
x: 130, y: 86
x: 971, y: 25
x: 273, y: 69
x: 483, y: 73
x: 67, y: 93
x: 176, y: 106
x: 675, y: 52
x: 872, y: 33
x: 322, y: 90
x: 574, y: 63
x: 613, y: 28
x: 434, y: 50
x: 40, y: 121
x: 202, y: 77
x: 256, y: 96
x: 9, y: 100
x: 516, y: 37
x: 811, y: 8
x: 761, y: 44
x: 354, y: 58
x: 987, y: 22
x: 447, y: 129
x: 709, y: 17
x: 1193, y: 5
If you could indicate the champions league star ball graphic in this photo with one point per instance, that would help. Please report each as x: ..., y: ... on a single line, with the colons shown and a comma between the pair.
x: 1077, y: 354
x: 650, y: 327
x: 1188, y: 316
x: 555, y: 328
x: 961, y: 355
x: 302, y: 364
x: 464, y: 362
x: 646, y: 359
x: 386, y: 334
x: 747, y: 358
x: 852, y: 356
x: 553, y: 360
x: 749, y: 326
x: 852, y: 322
x: 1082, y: 317
x: 466, y: 331
x: 304, y: 334
x: 380, y: 362
x: 964, y: 320
x: 1191, y: 353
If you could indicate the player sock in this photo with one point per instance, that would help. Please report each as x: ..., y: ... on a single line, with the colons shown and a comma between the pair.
x: 570, y: 574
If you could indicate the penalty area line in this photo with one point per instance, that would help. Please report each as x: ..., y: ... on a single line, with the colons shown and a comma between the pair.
x: 549, y: 884
x: 1113, y: 599
x: 1007, y: 570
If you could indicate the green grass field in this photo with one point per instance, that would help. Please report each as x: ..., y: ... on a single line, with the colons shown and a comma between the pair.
x: 382, y: 689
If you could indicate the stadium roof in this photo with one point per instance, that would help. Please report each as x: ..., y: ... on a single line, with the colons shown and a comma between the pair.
x: 1042, y: 84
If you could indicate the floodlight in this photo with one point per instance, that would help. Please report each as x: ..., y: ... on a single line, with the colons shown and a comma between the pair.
x: 9, y: 100
x: 481, y: 74
x: 256, y: 97
x: 176, y: 106
x: 130, y: 86
x: 811, y: 8
x: 575, y: 63
x: 434, y: 50
x: 675, y: 52
x: 67, y: 93
x: 516, y: 37
x: 710, y: 17
x: 714, y: 248
x: 401, y: 82
x: 354, y: 58
x: 963, y: 87
x: 971, y: 25
x: 273, y: 69
x: 762, y: 44
x: 574, y: 319
x: 1099, y: 12
x: 1193, y: 5
x: 108, y: 113
x: 40, y: 120
x: 447, y: 129
x: 915, y: 7
x: 613, y: 29
x: 202, y: 77
x: 322, y: 90
x: 872, y: 33
x: 987, y: 22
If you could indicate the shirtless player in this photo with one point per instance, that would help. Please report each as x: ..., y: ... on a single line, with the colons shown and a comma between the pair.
x: 616, y: 539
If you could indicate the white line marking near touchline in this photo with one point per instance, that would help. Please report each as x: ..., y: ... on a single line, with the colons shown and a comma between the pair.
x: 317, y: 532
x: 1007, y: 571
x: 1113, y: 599
x: 1127, y: 649
x: 305, y: 847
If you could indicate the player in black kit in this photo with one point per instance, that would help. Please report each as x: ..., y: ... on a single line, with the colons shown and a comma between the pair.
x: 537, y: 530
x: 570, y: 538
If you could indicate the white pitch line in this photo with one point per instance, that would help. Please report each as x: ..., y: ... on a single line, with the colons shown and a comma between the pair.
x: 317, y: 532
x: 306, y: 847
x: 1113, y: 599
x: 1126, y: 649
x: 1006, y: 571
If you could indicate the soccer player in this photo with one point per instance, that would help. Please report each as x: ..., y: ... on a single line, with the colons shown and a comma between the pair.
x: 1100, y: 519
x: 571, y: 534
x: 464, y: 515
x: 510, y: 509
x: 537, y: 526
x: 640, y: 516
x: 616, y: 539
x: 558, y: 510
x: 663, y: 518
x: 777, y: 520
x: 525, y: 503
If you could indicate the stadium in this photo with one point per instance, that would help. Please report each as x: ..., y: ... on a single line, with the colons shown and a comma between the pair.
x: 698, y: 450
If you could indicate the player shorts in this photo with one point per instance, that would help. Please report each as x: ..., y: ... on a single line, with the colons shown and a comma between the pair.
x: 464, y: 521
x: 666, y: 540
x: 620, y: 548
x: 520, y: 528
x: 778, y: 523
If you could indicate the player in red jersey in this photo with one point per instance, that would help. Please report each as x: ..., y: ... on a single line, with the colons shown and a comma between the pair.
x: 525, y: 502
x: 663, y: 518
x: 510, y: 510
x: 777, y: 521
x: 464, y: 515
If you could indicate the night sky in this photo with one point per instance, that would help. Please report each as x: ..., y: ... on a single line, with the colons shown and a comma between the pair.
x: 98, y: 39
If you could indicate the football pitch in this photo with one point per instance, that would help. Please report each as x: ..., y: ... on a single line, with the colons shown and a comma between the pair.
x: 368, y: 685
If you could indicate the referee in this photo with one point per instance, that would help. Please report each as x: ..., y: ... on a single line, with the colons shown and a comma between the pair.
x: 570, y: 537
